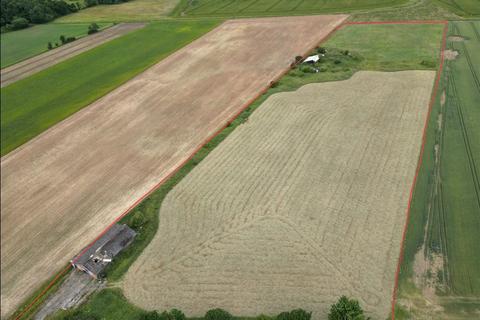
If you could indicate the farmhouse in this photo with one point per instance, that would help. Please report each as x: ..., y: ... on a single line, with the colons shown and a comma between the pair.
x: 101, y: 253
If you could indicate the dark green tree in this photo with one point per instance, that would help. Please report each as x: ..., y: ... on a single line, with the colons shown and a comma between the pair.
x: 63, y: 40
x: 92, y: 28
x: 49, y: 46
x: 218, y: 314
x: 296, y: 314
x: 346, y: 309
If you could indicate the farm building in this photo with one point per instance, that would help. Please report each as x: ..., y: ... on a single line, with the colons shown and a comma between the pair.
x: 101, y: 253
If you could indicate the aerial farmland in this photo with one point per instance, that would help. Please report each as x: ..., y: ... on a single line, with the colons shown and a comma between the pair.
x: 241, y: 159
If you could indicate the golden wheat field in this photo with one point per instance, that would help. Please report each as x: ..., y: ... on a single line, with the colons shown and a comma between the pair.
x: 304, y: 202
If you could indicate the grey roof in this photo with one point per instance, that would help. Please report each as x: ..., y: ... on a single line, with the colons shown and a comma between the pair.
x: 106, y: 247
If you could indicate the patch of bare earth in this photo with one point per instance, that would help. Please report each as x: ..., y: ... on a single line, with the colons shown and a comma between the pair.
x: 301, y: 204
x: 60, y: 190
x: 450, y: 54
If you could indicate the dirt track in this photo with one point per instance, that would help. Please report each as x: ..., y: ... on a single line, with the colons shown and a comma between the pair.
x: 301, y: 204
x: 42, y: 61
x: 63, y: 188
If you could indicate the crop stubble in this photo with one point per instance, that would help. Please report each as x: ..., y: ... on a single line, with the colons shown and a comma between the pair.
x: 303, y: 203
x: 64, y: 187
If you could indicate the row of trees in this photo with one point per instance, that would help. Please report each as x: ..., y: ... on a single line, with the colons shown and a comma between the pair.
x: 343, y: 309
x: 17, y: 14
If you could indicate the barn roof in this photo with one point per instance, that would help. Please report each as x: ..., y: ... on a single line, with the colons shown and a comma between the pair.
x: 100, y: 253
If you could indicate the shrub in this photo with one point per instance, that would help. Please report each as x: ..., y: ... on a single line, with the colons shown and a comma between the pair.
x: 217, y: 314
x: 298, y: 59
x: 337, y: 61
x: 177, y: 314
x: 321, y: 50
x: 346, y: 309
x: 297, y: 314
x: 92, y: 28
x: 18, y: 23
x: 63, y: 40
x: 49, y: 46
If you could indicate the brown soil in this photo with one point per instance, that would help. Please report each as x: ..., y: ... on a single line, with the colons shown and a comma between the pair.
x: 42, y: 61
x: 302, y: 204
x: 60, y: 190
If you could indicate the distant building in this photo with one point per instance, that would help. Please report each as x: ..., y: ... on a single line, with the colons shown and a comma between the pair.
x: 102, y: 251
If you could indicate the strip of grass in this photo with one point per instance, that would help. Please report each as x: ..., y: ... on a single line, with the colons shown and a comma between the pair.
x: 22, y: 44
x: 135, y: 10
x: 338, y: 64
x: 221, y: 8
x: 444, y: 213
x: 36, y: 103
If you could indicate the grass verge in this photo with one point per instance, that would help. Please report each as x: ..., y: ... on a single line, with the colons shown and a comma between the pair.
x: 338, y: 64
x: 32, y: 105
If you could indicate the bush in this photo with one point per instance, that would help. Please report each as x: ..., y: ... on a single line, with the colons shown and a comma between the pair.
x: 174, y: 314
x: 297, y: 314
x: 177, y: 314
x: 18, y: 23
x: 49, y: 46
x: 298, y: 59
x: 93, y: 28
x: 346, y: 309
x: 217, y: 314
x: 63, y: 40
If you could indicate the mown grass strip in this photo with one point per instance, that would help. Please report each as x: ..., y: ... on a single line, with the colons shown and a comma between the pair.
x: 32, y: 105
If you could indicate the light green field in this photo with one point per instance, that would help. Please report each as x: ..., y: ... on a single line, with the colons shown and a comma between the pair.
x: 444, y: 218
x: 229, y: 8
x: 34, y: 104
x: 462, y: 7
x: 22, y: 44
x: 395, y: 42
x: 134, y: 10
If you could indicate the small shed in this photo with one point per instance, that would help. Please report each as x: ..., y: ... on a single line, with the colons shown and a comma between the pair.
x: 96, y: 257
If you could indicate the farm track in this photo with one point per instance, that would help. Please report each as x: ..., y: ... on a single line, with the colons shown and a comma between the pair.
x: 98, y: 163
x: 264, y: 198
x: 42, y: 61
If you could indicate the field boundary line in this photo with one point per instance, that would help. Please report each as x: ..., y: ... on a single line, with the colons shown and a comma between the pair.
x: 420, y: 158
x: 181, y: 164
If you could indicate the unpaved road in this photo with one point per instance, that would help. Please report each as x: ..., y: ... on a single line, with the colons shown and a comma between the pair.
x: 64, y: 187
x: 303, y: 203
x: 42, y: 61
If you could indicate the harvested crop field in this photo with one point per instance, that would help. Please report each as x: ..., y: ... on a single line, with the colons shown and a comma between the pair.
x: 42, y: 61
x: 61, y: 189
x: 303, y: 203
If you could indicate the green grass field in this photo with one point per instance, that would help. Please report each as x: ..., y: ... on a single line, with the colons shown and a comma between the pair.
x: 444, y: 219
x: 395, y: 42
x: 462, y: 7
x: 22, y: 44
x: 34, y: 104
x: 134, y: 10
x: 230, y: 8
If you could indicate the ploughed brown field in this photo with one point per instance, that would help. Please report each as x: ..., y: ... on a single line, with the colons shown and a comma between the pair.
x: 60, y: 190
x: 42, y: 61
x: 303, y: 203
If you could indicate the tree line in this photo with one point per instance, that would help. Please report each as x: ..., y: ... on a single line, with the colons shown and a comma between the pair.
x: 18, y: 14
x: 343, y: 309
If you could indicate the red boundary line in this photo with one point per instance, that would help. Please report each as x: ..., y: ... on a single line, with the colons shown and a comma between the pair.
x: 243, y: 108
x: 419, y: 164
